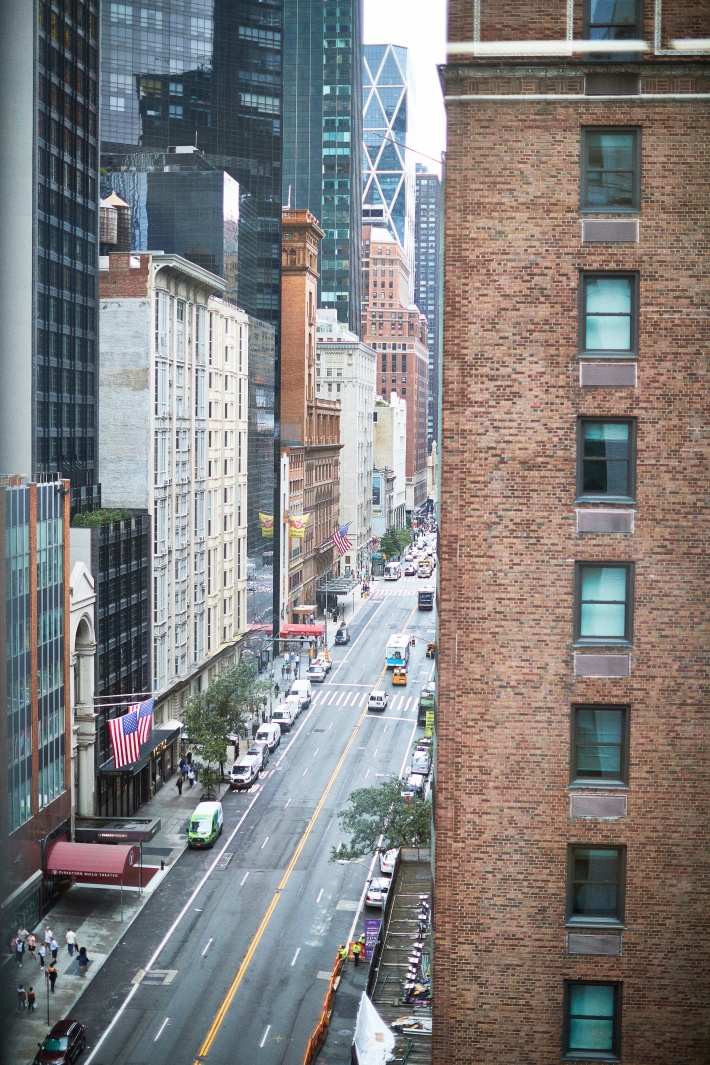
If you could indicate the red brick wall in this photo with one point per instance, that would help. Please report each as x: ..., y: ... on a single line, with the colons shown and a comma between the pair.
x: 510, y: 400
x: 123, y: 280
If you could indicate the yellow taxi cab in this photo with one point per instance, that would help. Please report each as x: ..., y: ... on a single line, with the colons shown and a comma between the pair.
x: 399, y: 675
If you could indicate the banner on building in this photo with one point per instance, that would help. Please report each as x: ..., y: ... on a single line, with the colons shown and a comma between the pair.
x: 267, y: 525
x: 297, y: 525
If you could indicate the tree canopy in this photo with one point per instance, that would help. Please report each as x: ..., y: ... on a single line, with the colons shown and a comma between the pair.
x: 394, y: 541
x: 211, y: 716
x: 381, y: 810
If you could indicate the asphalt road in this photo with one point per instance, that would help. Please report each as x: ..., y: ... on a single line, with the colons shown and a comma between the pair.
x: 236, y: 941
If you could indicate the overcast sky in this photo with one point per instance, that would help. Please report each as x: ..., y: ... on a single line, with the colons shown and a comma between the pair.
x: 419, y: 25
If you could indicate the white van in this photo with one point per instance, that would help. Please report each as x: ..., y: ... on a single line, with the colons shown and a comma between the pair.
x: 303, y: 690
x: 244, y: 772
x: 378, y: 700
x: 269, y: 733
x: 285, y: 715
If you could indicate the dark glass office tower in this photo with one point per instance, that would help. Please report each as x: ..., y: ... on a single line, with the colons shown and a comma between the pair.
x: 388, y: 174
x: 208, y: 74
x: 428, y: 225
x: 322, y: 135
x: 48, y: 190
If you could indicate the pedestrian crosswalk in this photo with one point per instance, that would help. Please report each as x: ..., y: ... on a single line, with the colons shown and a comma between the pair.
x: 342, y: 699
x: 385, y: 591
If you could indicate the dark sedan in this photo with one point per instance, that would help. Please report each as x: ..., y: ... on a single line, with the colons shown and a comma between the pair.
x: 63, y: 1044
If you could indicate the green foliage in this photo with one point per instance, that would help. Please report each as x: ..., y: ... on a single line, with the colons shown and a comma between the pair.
x: 382, y: 810
x: 404, y: 538
x: 222, y: 710
x: 96, y: 518
x: 389, y: 544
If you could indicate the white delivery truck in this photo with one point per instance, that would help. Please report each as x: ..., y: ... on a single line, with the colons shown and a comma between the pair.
x: 397, y: 653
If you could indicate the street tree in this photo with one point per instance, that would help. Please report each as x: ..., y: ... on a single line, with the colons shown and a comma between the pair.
x: 381, y: 810
x: 211, y: 716
x: 389, y: 544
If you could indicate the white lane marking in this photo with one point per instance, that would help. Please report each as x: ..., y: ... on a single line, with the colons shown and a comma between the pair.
x: 268, y: 1029
x: 305, y: 771
x: 317, y: 698
x: 331, y: 698
x: 393, y: 704
x: 384, y: 729
x: 330, y: 725
x: 364, y: 699
x: 340, y: 697
x: 320, y: 896
x: 163, y: 1026
x: 409, y: 700
x: 209, y: 944
x: 293, y: 960
x: 316, y: 751
x: 346, y: 700
x: 375, y: 754
x: 243, y: 880
x: 287, y: 802
x: 264, y: 844
x: 367, y: 773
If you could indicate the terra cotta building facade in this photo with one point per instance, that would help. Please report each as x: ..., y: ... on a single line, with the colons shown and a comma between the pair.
x: 572, y: 898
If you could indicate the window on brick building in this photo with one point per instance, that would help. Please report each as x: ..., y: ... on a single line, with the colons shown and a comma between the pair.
x: 599, y: 745
x: 603, y: 603
x: 595, y: 885
x: 606, y: 455
x: 611, y: 170
x: 619, y: 21
x: 608, y: 315
x: 592, y: 1021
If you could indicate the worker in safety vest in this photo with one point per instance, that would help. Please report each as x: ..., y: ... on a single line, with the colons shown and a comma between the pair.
x: 357, y: 949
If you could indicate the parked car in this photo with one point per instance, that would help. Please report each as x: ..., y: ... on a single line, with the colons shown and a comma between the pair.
x: 410, y: 570
x: 316, y: 673
x: 342, y: 634
x: 414, y: 786
x: 260, y: 749
x: 378, y: 700
x: 377, y: 889
x: 205, y: 825
x: 421, y: 761
x: 387, y: 861
x: 64, y: 1044
x: 323, y: 661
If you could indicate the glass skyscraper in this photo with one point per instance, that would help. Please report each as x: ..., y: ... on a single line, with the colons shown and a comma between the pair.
x: 388, y: 175
x: 428, y: 231
x: 208, y: 74
x: 48, y: 302
x: 322, y: 137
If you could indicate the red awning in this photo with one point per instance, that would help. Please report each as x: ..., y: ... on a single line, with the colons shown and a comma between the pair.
x: 301, y: 630
x: 91, y: 861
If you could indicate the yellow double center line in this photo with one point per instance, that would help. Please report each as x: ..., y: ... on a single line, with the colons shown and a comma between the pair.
x: 246, y: 961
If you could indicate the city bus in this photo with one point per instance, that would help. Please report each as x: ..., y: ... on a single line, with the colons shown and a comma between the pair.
x: 397, y: 653
x: 393, y: 571
x: 425, y: 597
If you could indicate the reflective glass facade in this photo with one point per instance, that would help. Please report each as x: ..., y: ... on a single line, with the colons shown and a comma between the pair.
x: 50, y: 643
x: 66, y: 273
x: 198, y: 212
x: 388, y: 175
x: 322, y: 137
x: 427, y: 280
x: 18, y: 660
x: 208, y: 73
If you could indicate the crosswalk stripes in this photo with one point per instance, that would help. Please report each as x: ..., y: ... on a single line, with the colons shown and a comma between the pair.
x: 332, y: 697
x: 364, y: 699
x: 356, y: 700
x: 340, y: 698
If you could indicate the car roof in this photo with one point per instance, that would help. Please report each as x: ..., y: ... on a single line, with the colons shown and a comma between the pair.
x: 377, y: 691
x: 62, y: 1027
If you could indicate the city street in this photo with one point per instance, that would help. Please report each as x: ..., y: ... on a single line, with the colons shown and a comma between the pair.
x: 227, y: 962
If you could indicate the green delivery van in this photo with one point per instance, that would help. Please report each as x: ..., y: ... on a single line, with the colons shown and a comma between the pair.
x: 205, y: 824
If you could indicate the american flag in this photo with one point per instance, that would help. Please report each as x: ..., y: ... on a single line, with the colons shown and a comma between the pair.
x: 340, y: 539
x: 125, y: 738
x: 145, y: 718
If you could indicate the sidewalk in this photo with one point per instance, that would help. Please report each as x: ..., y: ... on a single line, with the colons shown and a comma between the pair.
x: 99, y: 919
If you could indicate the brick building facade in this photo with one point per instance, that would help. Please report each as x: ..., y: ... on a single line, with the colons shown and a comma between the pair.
x: 572, y: 898
x: 394, y: 327
x: 310, y: 424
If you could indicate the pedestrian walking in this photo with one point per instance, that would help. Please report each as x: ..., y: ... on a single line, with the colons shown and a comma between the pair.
x: 31, y: 999
x: 48, y: 935
x: 54, y: 947
x: 21, y: 999
x: 31, y: 944
x: 51, y: 975
x: 178, y: 783
x: 191, y: 777
x: 23, y: 934
x: 71, y: 942
x: 276, y: 690
x: 83, y: 961
x: 283, y: 670
x: 19, y: 950
x: 185, y: 769
x: 42, y: 951
x: 357, y: 951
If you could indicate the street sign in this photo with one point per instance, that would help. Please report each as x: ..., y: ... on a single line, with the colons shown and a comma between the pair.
x: 429, y: 724
x: 372, y: 931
